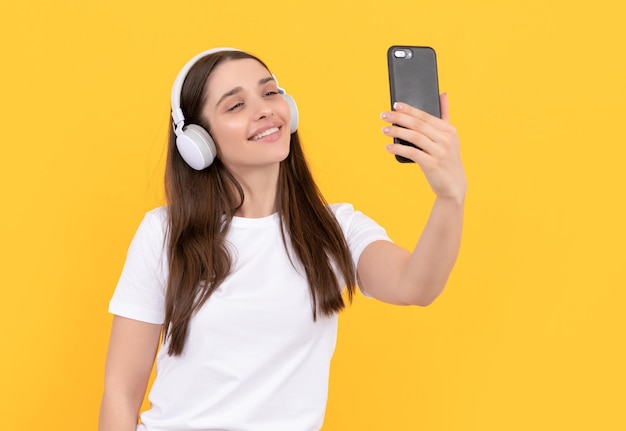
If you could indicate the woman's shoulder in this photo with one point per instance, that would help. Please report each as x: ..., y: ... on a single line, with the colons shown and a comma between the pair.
x: 344, y: 213
x: 342, y: 209
x: 358, y: 229
x: 154, y: 223
x: 351, y: 219
x: 158, y: 214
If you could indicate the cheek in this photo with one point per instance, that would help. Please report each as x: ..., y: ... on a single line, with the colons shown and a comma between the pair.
x: 228, y: 132
x: 285, y: 111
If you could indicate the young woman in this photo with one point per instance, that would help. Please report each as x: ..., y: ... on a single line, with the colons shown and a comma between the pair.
x: 242, y: 273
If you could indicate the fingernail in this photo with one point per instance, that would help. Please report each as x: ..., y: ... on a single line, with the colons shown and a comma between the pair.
x: 384, y: 115
x: 397, y: 106
x: 386, y: 130
x: 388, y: 147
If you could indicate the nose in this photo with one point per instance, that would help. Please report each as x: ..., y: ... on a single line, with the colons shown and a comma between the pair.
x: 263, y: 109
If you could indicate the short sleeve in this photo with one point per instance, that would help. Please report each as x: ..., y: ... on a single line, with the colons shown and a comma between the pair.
x: 359, y: 230
x: 140, y: 291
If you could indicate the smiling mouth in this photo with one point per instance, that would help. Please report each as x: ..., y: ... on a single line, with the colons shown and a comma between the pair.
x: 265, y: 133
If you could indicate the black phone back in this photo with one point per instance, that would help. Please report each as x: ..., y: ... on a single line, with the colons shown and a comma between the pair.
x: 413, y: 80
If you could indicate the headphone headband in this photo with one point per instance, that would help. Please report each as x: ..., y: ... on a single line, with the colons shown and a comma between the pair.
x: 177, y: 113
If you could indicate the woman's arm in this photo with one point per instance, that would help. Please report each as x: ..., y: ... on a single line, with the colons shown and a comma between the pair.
x: 387, y: 271
x: 132, y: 349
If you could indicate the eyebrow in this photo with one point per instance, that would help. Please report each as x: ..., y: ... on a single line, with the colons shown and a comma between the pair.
x: 238, y: 89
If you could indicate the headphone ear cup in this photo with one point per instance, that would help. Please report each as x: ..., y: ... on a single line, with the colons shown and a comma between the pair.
x: 293, y: 126
x: 196, y: 147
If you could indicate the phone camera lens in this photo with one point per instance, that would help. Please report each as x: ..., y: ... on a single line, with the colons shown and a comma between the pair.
x: 403, y: 53
x: 399, y: 53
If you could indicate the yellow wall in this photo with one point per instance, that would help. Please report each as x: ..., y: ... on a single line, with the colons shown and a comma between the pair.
x: 530, y: 332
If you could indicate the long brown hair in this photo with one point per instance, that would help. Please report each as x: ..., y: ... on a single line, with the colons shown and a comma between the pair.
x: 201, y: 205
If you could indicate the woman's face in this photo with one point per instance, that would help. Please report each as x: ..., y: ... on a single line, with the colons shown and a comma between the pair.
x: 248, y: 118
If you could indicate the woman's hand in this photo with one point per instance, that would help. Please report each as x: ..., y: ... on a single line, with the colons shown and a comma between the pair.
x: 439, y: 157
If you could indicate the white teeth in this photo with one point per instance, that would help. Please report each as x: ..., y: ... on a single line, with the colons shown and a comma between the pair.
x: 263, y: 134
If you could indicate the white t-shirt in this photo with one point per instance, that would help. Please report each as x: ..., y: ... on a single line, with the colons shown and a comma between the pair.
x: 254, y: 359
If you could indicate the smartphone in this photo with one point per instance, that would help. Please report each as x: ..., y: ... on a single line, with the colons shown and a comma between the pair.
x: 413, y: 80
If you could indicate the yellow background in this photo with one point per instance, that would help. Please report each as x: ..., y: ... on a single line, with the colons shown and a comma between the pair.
x: 530, y: 331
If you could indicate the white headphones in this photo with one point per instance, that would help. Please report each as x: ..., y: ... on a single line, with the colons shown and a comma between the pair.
x: 194, y: 143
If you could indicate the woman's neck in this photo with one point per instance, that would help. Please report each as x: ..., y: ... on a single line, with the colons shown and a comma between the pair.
x: 259, y: 188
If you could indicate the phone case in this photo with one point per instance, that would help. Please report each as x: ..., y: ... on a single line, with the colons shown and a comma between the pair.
x: 413, y: 80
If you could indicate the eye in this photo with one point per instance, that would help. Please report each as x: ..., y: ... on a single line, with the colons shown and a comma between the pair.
x: 235, y: 107
x: 269, y: 90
